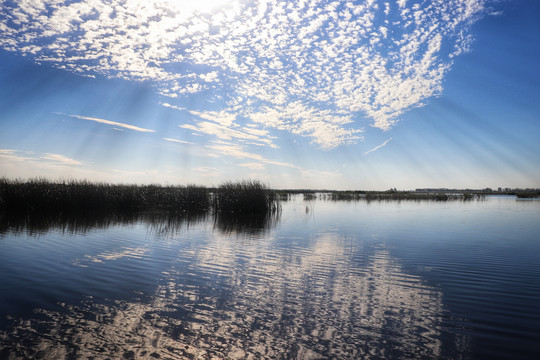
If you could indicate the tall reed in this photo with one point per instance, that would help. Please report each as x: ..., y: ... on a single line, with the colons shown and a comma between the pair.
x: 41, y: 195
x: 245, y: 197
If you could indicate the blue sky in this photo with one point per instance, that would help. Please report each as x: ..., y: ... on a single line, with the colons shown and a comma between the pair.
x: 303, y: 94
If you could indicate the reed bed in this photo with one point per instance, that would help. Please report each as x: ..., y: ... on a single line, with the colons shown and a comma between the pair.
x: 308, y: 196
x: 528, y: 194
x: 40, y: 195
x: 38, y: 205
x: 88, y: 198
x: 245, y: 197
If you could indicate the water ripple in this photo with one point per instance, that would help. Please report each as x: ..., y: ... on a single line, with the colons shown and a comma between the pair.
x: 208, y: 291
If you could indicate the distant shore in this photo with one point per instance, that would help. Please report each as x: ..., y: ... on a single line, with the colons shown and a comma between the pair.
x: 418, y: 194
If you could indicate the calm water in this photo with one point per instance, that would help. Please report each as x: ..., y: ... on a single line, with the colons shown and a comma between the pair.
x: 342, y: 280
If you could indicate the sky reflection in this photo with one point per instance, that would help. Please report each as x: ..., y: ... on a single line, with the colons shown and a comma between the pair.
x: 318, y: 297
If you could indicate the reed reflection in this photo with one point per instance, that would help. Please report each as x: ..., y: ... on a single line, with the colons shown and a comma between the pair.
x: 21, y: 223
x: 283, y: 298
x: 159, y: 222
x: 246, y: 224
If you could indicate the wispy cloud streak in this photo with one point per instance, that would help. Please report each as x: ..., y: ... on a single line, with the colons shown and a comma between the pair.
x: 60, y: 159
x: 177, y: 141
x: 223, y: 125
x: 238, y: 151
x: 113, y: 123
x: 378, y: 147
x: 28, y: 156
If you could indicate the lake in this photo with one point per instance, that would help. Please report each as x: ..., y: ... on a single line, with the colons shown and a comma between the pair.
x: 322, y: 279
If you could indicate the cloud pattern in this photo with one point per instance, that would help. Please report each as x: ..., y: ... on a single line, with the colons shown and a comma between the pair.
x: 314, y: 68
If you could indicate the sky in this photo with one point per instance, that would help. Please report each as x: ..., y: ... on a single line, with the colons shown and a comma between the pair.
x: 320, y: 94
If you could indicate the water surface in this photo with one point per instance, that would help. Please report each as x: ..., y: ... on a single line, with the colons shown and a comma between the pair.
x: 347, y: 280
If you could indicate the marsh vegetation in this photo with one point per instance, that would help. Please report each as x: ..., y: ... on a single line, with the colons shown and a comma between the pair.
x: 42, y: 198
x: 39, y: 205
x: 88, y: 198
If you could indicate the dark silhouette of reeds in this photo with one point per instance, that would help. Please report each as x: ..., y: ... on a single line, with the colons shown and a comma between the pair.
x: 84, y: 197
x: 245, y: 197
x: 39, y: 205
x: 38, y: 223
x: 38, y: 195
x: 308, y: 196
x: 251, y: 224
x: 528, y: 194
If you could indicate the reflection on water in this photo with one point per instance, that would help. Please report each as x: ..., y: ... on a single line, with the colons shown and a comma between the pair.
x: 344, y: 280
x: 76, y: 224
x: 313, y: 304
x: 242, y: 224
x: 67, y: 223
x: 134, y: 253
x: 158, y: 222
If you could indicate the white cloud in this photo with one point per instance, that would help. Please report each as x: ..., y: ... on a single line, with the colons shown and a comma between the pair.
x: 378, y: 147
x: 220, y: 117
x: 222, y: 124
x: 18, y: 156
x: 222, y: 132
x: 206, y: 169
x: 239, y: 152
x: 27, y: 164
x: 15, y: 156
x: 60, y: 159
x: 325, y: 127
x: 177, y: 141
x: 173, y: 107
x: 114, y: 123
x: 314, y: 68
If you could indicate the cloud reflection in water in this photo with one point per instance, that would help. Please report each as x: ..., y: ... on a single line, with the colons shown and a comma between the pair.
x: 251, y: 298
